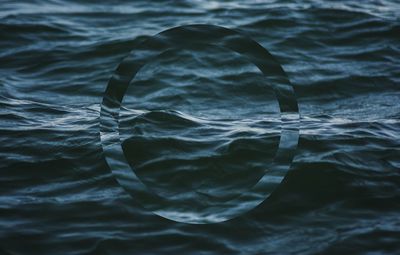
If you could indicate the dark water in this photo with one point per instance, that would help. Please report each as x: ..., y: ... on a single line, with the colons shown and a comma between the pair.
x: 199, y: 126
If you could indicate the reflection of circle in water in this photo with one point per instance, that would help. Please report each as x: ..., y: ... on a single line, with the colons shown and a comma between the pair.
x: 180, y: 207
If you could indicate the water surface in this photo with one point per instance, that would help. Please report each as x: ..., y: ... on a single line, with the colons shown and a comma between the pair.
x: 205, y: 125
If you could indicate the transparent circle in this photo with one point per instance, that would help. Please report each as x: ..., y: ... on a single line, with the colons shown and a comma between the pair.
x: 199, y: 122
x: 187, y: 38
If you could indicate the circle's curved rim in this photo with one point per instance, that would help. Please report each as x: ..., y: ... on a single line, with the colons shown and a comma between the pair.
x: 209, y: 35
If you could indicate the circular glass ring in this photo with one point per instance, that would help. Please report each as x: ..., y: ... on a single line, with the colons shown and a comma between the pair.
x: 180, y: 38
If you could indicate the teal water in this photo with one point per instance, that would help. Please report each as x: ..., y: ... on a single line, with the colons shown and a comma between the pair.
x: 200, y: 127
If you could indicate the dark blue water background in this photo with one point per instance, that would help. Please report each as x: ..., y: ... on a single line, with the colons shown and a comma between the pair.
x: 203, y: 129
